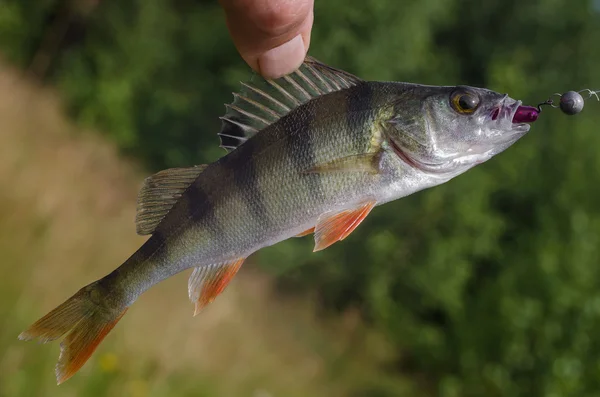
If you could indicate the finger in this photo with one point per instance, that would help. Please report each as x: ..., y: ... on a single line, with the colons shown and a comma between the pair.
x: 272, y: 36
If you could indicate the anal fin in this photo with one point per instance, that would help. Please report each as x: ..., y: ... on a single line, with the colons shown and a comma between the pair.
x: 207, y: 282
x: 336, y: 226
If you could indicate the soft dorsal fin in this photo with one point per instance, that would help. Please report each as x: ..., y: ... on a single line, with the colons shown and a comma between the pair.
x: 159, y: 193
x: 262, y: 102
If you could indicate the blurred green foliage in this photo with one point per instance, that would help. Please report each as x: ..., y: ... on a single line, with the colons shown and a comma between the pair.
x: 488, y: 285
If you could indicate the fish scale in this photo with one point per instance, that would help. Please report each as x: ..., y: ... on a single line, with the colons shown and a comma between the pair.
x: 314, y: 151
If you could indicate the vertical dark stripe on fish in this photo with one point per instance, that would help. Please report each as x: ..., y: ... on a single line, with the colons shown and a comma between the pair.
x: 246, y: 178
x: 300, y: 149
x: 360, y: 99
x: 201, y: 210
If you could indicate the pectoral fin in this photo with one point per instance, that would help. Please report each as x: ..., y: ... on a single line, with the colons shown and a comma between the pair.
x: 306, y: 232
x: 367, y: 162
x: 336, y: 226
x: 207, y: 282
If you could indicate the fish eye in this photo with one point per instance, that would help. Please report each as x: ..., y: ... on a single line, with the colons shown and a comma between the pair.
x: 464, y: 102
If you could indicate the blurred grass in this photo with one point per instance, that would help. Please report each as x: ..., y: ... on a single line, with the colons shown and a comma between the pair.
x: 67, y: 205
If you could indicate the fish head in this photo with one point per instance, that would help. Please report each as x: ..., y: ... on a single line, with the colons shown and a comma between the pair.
x: 447, y: 130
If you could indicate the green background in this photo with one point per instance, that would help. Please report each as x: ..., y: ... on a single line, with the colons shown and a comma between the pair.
x: 485, y: 286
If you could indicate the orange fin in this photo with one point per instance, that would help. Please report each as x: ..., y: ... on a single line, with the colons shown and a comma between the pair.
x: 306, y: 232
x: 85, y: 323
x: 207, y: 282
x: 333, y: 227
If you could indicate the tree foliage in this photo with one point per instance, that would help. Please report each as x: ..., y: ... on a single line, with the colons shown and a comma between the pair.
x: 487, y: 285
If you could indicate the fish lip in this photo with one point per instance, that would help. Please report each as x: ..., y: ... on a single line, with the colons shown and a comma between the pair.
x: 503, y: 110
x: 503, y: 113
x: 516, y: 128
x: 512, y: 110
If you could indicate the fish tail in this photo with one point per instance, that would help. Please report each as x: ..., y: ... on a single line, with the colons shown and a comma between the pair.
x: 85, y: 318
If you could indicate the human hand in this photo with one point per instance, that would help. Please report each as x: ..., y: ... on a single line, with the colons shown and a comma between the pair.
x: 272, y: 36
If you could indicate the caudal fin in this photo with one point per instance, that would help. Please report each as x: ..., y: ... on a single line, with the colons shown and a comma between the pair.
x: 85, y: 323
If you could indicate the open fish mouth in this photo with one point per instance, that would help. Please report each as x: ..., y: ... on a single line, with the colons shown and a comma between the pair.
x: 513, y: 116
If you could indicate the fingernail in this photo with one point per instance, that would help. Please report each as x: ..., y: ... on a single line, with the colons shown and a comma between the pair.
x: 282, y: 60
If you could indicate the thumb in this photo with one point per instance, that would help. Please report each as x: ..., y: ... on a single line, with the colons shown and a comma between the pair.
x: 272, y: 36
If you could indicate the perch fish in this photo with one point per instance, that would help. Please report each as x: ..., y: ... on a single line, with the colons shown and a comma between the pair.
x: 313, y: 152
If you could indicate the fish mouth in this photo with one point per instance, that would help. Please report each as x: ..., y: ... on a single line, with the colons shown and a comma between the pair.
x: 503, y: 116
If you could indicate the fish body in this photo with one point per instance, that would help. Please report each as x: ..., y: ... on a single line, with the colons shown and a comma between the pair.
x: 312, y: 152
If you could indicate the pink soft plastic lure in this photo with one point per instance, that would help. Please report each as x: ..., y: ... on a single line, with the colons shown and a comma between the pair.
x: 526, y: 114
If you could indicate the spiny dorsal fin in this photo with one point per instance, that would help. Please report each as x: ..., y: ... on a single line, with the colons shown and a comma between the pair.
x: 262, y: 102
x: 159, y: 193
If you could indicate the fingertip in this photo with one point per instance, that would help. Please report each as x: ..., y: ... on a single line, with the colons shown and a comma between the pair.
x: 283, y: 59
x: 272, y: 36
